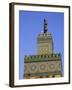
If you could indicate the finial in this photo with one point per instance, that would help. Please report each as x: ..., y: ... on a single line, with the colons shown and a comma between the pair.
x: 45, y: 26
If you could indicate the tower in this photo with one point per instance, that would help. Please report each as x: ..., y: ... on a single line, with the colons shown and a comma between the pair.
x: 45, y: 63
x: 45, y: 41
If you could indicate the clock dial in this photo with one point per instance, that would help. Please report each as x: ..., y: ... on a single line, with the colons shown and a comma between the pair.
x: 51, y: 67
x: 42, y: 67
x: 33, y: 67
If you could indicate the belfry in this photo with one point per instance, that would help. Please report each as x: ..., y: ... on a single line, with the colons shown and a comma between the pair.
x: 46, y: 63
x: 45, y: 41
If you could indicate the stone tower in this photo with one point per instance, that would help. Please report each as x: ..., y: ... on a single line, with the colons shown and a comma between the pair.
x: 45, y: 41
x: 46, y: 63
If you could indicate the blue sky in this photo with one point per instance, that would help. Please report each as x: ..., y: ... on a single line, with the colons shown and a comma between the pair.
x: 31, y: 23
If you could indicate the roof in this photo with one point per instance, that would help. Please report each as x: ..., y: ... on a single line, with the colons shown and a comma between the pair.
x: 42, y: 57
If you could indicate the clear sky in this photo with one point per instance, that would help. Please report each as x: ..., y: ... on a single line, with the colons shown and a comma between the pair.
x: 30, y: 25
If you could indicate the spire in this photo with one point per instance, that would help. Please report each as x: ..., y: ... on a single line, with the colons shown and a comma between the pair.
x: 45, y: 26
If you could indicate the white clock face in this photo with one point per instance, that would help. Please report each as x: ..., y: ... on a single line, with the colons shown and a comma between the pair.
x: 51, y: 67
x: 42, y: 67
x: 33, y: 67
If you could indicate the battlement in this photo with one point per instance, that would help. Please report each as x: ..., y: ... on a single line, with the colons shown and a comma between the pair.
x: 42, y: 35
x: 42, y: 57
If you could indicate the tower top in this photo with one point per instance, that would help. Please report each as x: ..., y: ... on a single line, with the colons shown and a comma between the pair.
x: 45, y: 26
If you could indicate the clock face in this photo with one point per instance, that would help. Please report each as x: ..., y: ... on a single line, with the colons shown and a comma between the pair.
x: 51, y: 66
x: 42, y: 67
x: 33, y: 67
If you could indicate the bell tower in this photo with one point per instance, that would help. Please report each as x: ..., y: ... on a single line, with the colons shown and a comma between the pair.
x: 46, y: 63
x: 45, y: 41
